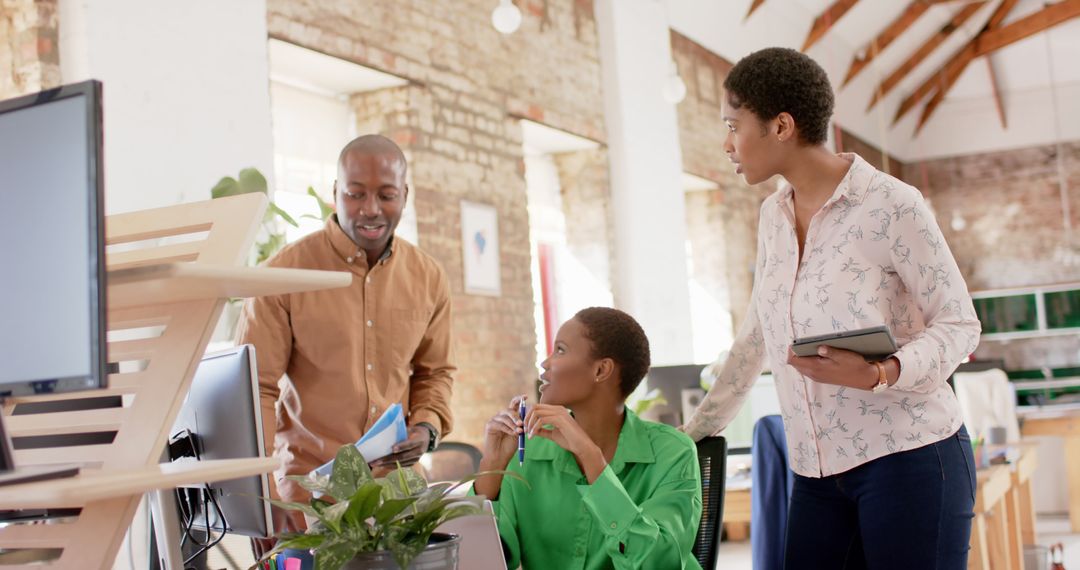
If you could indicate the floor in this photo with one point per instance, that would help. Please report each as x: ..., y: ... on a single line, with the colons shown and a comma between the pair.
x: 235, y: 552
x: 1050, y: 530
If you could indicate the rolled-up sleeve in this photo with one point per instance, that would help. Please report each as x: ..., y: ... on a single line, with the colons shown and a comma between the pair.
x: 659, y: 532
x: 927, y: 268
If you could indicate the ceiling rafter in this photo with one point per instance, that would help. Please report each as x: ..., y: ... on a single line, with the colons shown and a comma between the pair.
x: 942, y: 81
x: 754, y: 6
x: 826, y: 20
x: 994, y: 37
x: 886, y: 37
x: 997, y: 92
x: 920, y: 54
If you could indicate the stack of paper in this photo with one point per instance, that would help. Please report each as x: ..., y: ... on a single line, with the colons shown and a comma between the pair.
x: 379, y: 441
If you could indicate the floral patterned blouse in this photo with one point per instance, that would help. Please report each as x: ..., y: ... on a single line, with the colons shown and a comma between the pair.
x: 874, y: 255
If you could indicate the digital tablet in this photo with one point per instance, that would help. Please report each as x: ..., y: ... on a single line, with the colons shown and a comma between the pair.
x: 874, y: 343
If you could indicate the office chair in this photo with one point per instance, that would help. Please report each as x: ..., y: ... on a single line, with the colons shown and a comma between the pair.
x: 712, y: 455
x: 451, y: 461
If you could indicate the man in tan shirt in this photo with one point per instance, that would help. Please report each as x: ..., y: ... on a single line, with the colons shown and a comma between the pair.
x: 335, y: 360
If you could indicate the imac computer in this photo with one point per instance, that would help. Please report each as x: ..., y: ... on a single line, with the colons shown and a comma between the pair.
x: 52, y: 295
x: 221, y: 419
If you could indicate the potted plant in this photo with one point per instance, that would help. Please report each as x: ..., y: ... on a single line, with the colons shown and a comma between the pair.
x: 357, y: 521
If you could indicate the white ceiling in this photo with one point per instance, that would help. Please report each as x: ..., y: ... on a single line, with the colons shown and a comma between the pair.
x: 966, y: 122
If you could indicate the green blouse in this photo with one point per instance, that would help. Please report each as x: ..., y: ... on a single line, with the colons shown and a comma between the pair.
x: 642, y: 512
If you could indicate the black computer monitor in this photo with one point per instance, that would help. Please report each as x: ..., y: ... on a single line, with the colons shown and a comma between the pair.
x: 223, y: 417
x: 52, y: 294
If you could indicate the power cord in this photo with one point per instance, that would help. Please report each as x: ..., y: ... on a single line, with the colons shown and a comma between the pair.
x: 185, y: 443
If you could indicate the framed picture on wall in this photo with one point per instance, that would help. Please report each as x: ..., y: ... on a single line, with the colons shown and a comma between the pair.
x: 480, y: 245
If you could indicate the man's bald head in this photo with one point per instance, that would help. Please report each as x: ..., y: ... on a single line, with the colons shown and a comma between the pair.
x: 373, y: 145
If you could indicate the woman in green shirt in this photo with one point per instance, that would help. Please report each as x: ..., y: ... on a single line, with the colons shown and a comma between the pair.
x: 605, y: 488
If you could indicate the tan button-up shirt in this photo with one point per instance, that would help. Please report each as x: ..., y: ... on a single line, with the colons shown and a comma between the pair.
x: 336, y: 359
x: 873, y: 256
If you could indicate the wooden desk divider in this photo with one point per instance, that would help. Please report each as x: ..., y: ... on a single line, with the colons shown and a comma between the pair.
x: 164, y: 303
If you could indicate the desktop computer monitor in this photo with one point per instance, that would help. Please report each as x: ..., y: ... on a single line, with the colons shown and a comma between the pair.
x: 52, y: 295
x: 223, y: 417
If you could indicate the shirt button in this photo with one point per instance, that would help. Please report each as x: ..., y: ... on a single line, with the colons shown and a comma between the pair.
x: 614, y: 525
x: 374, y: 410
x: 370, y: 366
x: 368, y: 280
x: 371, y: 323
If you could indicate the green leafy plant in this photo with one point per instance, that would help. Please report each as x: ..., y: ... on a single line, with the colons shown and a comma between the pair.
x: 356, y: 512
x: 251, y: 180
x: 642, y: 401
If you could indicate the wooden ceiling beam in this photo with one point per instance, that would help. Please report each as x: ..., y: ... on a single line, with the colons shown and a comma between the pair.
x: 997, y: 92
x: 920, y: 54
x: 886, y: 37
x: 826, y: 20
x: 996, y: 38
x: 753, y: 6
x: 946, y: 77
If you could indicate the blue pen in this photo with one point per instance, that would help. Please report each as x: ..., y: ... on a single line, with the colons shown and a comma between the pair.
x: 521, y: 436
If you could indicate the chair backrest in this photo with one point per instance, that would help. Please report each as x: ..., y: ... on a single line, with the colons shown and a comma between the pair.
x: 712, y: 455
x: 987, y: 399
x: 451, y: 461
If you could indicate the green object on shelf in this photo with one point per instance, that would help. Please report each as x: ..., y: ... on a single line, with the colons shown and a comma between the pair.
x: 1013, y: 313
x: 1063, y: 309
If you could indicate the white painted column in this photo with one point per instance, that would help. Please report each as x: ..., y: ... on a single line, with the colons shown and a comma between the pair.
x: 646, y: 175
x: 186, y: 92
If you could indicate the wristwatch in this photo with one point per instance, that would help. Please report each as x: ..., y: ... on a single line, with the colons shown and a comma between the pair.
x: 882, y: 379
x: 434, y: 435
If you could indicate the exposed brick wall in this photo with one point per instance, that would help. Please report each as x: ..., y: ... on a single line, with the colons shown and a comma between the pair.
x: 870, y: 153
x: 29, y: 49
x: 1016, y: 233
x: 721, y: 224
x: 457, y: 123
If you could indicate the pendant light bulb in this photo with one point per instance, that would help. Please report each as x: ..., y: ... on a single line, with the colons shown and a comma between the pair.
x: 506, y: 17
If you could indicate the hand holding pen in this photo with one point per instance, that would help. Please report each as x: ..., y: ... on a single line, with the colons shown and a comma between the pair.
x: 521, y: 434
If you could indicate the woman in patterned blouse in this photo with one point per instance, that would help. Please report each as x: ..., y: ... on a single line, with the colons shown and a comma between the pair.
x: 884, y: 478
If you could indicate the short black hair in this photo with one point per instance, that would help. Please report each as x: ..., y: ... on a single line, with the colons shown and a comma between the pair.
x: 616, y: 335
x: 777, y: 80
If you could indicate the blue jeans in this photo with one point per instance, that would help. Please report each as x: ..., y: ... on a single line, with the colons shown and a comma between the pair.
x: 903, y: 511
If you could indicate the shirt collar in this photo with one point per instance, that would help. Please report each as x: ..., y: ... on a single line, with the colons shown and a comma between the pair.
x: 634, y: 446
x: 852, y: 186
x: 345, y: 247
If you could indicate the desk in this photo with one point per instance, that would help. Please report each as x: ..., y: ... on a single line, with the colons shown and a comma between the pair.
x: 1018, y: 503
x: 737, y: 513
x: 1063, y: 423
x: 990, y: 547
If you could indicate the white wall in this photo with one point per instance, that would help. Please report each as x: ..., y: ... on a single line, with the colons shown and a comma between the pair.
x: 646, y: 175
x: 186, y: 92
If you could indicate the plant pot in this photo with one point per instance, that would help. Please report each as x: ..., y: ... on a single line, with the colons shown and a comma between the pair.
x: 441, y: 554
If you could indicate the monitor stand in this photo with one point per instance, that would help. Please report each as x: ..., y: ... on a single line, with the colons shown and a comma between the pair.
x: 11, y: 475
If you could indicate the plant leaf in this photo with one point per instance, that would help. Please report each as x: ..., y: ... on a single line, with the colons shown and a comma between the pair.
x: 349, y: 473
x: 407, y: 482
x: 324, y: 209
x: 363, y: 503
x: 312, y: 481
x: 464, y: 480
x: 227, y: 186
x: 251, y: 180
x: 390, y: 508
x: 333, y: 514
x: 306, y: 509
x: 334, y: 554
x: 284, y: 215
